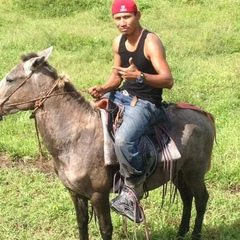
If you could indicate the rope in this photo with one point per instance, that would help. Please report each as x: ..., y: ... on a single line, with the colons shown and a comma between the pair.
x: 38, y: 138
x: 38, y: 103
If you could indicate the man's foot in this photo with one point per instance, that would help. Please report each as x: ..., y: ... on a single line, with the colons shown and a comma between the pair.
x: 127, y: 205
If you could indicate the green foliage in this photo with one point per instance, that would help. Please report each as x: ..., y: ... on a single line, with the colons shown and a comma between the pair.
x: 73, y: 42
x: 191, y: 2
x: 56, y: 8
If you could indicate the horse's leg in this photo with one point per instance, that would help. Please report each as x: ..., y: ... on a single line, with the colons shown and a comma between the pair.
x: 187, y: 198
x: 195, y: 182
x: 201, y: 198
x: 100, y: 203
x: 81, y: 207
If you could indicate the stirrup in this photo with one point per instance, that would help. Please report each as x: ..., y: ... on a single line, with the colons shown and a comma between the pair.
x: 127, y: 205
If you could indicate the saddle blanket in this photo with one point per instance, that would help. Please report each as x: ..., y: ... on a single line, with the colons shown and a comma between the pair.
x: 169, y: 152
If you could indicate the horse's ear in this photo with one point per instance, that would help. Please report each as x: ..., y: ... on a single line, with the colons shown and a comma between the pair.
x: 46, y: 53
x: 34, y: 63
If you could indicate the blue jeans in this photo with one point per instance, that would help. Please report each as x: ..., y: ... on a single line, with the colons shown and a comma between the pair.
x: 136, y: 121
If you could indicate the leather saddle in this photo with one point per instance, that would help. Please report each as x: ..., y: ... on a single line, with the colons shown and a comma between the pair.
x: 155, y: 146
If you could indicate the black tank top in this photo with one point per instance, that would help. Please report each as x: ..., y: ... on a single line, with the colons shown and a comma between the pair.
x: 141, y: 90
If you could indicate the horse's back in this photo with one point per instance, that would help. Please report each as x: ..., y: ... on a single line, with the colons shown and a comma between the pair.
x: 201, y: 121
x: 193, y: 132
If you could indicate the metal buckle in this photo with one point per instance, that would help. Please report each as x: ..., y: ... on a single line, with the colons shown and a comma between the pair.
x: 125, y: 93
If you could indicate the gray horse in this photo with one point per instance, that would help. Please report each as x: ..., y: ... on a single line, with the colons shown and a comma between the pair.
x: 71, y: 129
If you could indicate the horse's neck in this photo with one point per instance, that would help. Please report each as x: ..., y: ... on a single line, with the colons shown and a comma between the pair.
x: 67, y: 122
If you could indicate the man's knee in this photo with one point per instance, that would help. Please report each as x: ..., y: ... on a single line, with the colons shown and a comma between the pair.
x: 120, y: 142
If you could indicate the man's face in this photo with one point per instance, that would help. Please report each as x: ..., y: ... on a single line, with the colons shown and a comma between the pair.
x: 126, y: 22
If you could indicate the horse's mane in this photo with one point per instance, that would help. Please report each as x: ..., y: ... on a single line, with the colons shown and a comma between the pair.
x: 67, y: 86
x: 28, y: 56
x: 64, y: 82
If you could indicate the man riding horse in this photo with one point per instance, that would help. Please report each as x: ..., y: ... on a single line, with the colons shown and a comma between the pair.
x: 139, y: 74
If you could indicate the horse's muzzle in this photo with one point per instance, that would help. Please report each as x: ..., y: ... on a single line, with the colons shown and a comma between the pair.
x: 1, y: 117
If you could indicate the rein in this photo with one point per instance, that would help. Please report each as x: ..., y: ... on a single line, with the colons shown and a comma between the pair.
x: 37, y: 99
x: 38, y: 103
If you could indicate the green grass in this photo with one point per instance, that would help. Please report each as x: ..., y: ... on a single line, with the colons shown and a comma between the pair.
x: 203, y: 50
x: 37, y: 206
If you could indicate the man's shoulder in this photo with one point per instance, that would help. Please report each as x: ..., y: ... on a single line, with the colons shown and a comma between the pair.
x: 117, y: 39
x: 151, y: 35
x: 116, y: 43
x: 152, y: 39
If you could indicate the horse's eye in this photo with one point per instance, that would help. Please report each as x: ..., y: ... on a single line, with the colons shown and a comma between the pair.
x: 9, y: 80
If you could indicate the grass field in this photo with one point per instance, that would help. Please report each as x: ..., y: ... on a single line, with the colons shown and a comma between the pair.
x: 202, y: 41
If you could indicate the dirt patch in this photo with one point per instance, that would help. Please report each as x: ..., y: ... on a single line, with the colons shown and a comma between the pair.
x: 44, y: 165
x: 4, y: 161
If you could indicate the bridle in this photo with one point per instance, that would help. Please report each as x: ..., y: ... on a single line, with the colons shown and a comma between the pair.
x: 8, y: 97
x: 38, y: 103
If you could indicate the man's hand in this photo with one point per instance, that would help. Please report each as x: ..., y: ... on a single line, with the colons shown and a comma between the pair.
x: 96, y: 91
x: 130, y: 73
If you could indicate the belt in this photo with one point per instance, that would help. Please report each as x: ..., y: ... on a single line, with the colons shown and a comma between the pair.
x: 134, y: 100
x: 125, y: 93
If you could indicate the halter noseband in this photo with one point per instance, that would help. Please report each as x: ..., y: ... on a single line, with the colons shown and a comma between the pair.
x: 8, y: 97
x: 38, y: 101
